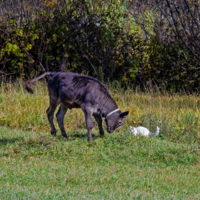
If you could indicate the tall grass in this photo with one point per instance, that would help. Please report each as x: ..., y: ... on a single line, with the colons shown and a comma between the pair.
x: 176, y: 114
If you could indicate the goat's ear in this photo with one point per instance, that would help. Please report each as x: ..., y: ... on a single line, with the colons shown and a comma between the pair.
x: 124, y: 114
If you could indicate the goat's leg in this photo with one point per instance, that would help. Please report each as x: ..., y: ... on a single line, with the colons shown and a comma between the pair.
x: 50, y: 114
x: 99, y: 122
x: 60, y: 118
x: 89, y: 123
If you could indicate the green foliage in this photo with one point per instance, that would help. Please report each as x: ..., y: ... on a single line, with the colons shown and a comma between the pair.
x: 111, y: 40
x: 83, y: 37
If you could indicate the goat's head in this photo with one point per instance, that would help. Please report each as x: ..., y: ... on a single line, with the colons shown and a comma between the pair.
x: 115, y: 120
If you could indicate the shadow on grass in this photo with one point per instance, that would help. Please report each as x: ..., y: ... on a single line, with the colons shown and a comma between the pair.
x: 78, y: 135
x: 74, y: 136
x: 5, y: 141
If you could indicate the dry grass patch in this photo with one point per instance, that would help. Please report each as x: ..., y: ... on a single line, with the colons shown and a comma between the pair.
x: 177, y: 115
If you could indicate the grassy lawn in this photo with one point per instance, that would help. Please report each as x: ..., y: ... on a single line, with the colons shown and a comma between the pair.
x: 118, y: 166
x: 36, y: 165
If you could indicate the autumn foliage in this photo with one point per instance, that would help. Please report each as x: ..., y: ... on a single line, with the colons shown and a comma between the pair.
x: 139, y: 43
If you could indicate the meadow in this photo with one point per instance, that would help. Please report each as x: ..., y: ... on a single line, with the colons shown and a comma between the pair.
x: 36, y: 165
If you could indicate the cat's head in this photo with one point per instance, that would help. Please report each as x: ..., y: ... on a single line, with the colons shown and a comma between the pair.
x: 133, y: 130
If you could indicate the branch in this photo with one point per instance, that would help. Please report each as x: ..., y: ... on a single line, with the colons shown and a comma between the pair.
x: 177, y: 31
x: 84, y: 55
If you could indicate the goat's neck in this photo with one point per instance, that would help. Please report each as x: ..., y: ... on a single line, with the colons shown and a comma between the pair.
x: 108, y: 106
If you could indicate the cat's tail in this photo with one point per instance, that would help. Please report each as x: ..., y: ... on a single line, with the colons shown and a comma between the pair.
x: 156, y: 132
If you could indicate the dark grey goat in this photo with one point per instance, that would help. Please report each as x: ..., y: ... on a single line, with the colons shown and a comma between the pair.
x: 72, y: 90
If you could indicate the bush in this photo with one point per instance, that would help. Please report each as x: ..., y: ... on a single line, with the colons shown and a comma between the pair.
x: 75, y: 36
x: 139, y: 43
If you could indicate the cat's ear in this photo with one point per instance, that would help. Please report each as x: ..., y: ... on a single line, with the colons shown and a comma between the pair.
x: 124, y: 114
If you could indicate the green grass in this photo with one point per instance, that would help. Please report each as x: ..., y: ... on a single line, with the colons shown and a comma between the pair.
x: 36, y: 165
x: 118, y: 166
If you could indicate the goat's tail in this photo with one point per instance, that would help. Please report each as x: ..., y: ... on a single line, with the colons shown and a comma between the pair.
x: 29, y: 89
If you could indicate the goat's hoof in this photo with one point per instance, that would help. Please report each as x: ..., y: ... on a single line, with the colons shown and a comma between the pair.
x: 66, y: 136
x: 102, y: 135
x: 53, y: 133
x: 90, y: 139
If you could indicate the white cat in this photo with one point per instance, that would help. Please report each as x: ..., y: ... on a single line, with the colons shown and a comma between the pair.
x: 140, y: 130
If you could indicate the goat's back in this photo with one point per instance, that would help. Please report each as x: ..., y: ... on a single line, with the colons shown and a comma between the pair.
x: 74, y: 89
